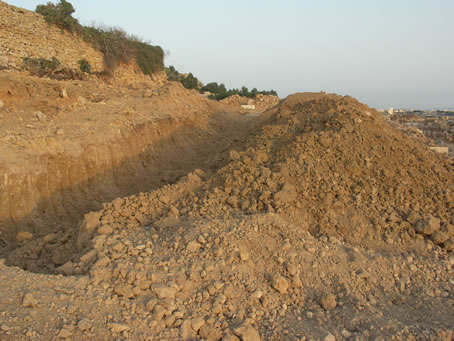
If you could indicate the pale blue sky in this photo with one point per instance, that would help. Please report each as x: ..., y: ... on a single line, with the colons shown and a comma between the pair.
x: 397, y: 53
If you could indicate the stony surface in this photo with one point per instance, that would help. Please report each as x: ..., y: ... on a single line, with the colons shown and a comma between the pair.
x: 325, y: 224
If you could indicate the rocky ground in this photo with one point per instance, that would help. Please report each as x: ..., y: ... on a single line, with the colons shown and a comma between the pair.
x: 319, y: 221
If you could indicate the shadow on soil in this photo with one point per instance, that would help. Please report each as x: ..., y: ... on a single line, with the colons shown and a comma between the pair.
x: 161, y: 162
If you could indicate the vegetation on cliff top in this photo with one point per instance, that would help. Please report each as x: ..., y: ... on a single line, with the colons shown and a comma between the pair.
x: 116, y: 45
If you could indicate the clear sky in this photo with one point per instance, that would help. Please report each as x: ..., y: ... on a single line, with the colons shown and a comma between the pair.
x: 386, y: 53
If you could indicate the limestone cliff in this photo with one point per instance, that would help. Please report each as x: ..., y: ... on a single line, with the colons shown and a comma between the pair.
x: 25, y: 33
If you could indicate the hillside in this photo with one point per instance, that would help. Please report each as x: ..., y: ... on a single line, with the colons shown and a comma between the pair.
x: 133, y: 208
x: 25, y: 34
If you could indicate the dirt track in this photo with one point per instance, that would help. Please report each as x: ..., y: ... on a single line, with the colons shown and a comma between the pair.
x: 314, y: 221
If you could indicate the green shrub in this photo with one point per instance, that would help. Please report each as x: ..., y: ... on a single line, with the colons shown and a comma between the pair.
x: 111, y: 42
x: 59, y: 14
x: 41, y: 66
x: 149, y: 58
x: 119, y: 47
x: 219, y: 92
x: 85, y: 66
x: 190, y: 82
x: 173, y: 74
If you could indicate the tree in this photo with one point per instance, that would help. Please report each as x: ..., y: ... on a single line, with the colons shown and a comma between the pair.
x: 59, y: 14
x: 173, y: 74
x: 190, y: 82
x: 244, y: 91
x: 254, y: 92
x: 212, y: 87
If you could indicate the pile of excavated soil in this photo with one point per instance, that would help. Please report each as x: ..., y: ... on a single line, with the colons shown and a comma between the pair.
x: 326, y: 224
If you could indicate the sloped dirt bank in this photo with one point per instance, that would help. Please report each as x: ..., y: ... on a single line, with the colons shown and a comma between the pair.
x: 62, y: 188
x: 49, y: 181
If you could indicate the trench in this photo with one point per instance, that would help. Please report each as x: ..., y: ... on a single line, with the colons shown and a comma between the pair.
x: 55, y: 198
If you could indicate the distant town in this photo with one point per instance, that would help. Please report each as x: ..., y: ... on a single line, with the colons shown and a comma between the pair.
x: 437, y: 126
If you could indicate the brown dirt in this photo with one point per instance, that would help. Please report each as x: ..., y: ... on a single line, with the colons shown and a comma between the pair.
x: 67, y: 147
x: 314, y: 221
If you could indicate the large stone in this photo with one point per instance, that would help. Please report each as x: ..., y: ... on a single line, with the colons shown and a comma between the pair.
x: 40, y: 116
x: 186, y: 331
x: 118, y: 328
x: 193, y: 246
x: 102, y: 262
x: 105, y: 229
x: 163, y: 291
x: 428, y: 226
x: 329, y: 337
x: 247, y: 333
x: 328, y: 302
x: 280, y: 284
x: 64, y: 333
x: 197, y: 323
x: 66, y: 269
x: 446, y: 231
x: 210, y: 333
x: 147, y: 93
x: 29, y: 301
x: 124, y: 291
x: 158, y: 312
x: 439, y: 237
x: 88, y: 257
x: 60, y: 255
x: 84, y: 324
x: 234, y: 155
x: 23, y: 236
x: 449, y: 245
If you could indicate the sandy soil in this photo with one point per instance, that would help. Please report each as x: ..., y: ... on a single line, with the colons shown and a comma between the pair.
x: 316, y: 220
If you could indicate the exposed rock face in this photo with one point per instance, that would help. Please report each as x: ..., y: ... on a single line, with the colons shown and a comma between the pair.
x: 261, y: 102
x: 25, y: 33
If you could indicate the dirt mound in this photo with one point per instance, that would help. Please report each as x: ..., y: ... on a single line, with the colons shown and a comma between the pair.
x: 334, y: 167
x: 326, y: 223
